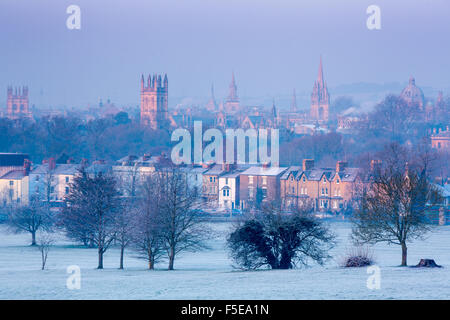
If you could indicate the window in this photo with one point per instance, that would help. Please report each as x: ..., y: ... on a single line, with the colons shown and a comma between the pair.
x: 264, y: 192
x: 11, y: 183
x: 228, y: 193
x: 224, y: 192
x: 67, y: 179
x: 37, y: 178
x: 304, y: 179
x: 293, y: 190
x: 67, y: 190
x: 226, y: 180
x: 210, y: 179
x: 337, y: 181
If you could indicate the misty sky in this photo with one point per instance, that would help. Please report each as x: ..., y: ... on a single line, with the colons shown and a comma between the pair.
x: 272, y: 46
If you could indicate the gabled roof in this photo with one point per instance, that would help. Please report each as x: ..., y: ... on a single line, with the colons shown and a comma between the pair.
x: 295, y: 170
x: 215, y: 170
x: 13, y: 175
x: 60, y: 169
x: 349, y: 174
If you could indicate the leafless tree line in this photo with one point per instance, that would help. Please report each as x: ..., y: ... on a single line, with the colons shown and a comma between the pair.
x: 158, y: 220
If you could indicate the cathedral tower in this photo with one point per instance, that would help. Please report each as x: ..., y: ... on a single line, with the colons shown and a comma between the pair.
x: 154, y: 102
x: 17, y: 103
x: 320, y: 98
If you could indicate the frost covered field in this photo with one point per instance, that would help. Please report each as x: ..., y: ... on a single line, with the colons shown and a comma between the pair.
x: 209, y: 275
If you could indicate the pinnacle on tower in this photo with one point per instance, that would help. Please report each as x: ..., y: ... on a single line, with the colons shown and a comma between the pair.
x: 159, y: 81
x: 320, y: 76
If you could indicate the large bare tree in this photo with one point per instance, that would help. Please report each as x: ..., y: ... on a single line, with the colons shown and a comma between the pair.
x: 182, y: 223
x: 91, y: 211
x: 33, y: 217
x: 147, y: 225
x: 394, y: 205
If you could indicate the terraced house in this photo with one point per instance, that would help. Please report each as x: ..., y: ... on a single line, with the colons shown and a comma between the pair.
x: 326, y: 189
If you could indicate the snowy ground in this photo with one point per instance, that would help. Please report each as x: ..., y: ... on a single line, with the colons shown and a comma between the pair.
x: 209, y: 275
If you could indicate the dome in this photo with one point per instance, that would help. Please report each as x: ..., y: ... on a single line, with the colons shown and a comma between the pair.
x: 412, y: 94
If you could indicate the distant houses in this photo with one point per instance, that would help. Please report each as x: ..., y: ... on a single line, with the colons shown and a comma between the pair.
x: 221, y: 187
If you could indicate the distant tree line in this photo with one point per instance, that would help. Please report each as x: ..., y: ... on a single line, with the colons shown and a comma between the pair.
x: 70, y: 137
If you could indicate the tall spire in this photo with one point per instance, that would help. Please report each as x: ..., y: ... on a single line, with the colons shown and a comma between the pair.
x: 274, y: 109
x: 211, y: 105
x: 232, y: 96
x: 212, y: 91
x: 294, y: 102
x: 320, y: 76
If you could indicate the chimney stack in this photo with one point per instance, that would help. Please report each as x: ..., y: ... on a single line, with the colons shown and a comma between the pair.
x: 308, y: 164
x: 26, y: 167
x: 340, y: 166
x: 51, y: 164
x: 375, y: 164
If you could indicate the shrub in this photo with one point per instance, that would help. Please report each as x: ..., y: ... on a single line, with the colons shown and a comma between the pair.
x: 358, y: 257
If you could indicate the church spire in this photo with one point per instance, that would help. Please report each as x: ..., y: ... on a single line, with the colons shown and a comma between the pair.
x: 212, y: 92
x: 294, y: 102
x: 320, y: 76
x: 232, y: 96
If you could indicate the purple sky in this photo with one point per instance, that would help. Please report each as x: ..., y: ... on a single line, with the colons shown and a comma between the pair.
x: 272, y: 46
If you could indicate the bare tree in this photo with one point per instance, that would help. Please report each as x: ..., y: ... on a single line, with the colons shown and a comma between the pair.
x: 91, y: 210
x: 148, y: 229
x: 124, y: 226
x: 30, y: 218
x: 183, y: 227
x: 44, y: 244
x: 394, y: 205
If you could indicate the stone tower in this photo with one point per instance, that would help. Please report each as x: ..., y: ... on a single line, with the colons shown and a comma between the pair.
x: 154, y: 102
x: 320, y: 98
x: 17, y: 103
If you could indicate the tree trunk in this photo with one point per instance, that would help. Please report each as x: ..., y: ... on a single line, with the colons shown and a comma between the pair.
x: 100, y: 258
x: 122, y: 249
x: 43, y: 260
x: 404, y: 255
x: 171, y: 258
x: 33, y: 238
